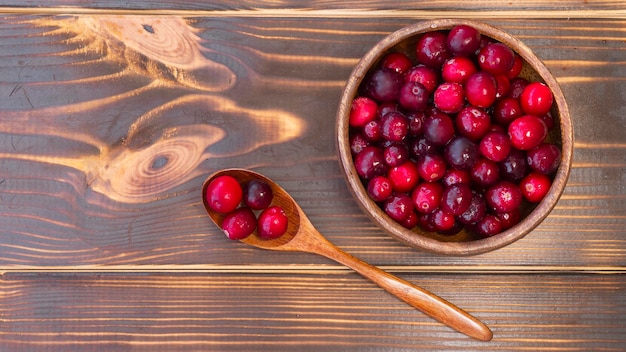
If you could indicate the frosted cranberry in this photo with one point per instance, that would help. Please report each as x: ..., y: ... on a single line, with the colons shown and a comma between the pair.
x: 372, y: 132
x: 504, y: 197
x: 362, y: 111
x: 454, y: 176
x: 379, y: 188
x: 357, y: 142
x: 461, y: 153
x: 463, y: 40
x: 413, y: 96
x: 426, y: 196
x: 438, y: 128
x: 514, y: 167
x: 473, y: 122
x: 425, y: 75
x: 527, y: 132
x: 509, y: 219
x: 535, y: 186
x: 495, y: 146
x: 456, y: 199
x: 506, y: 110
x: 416, y: 122
x: 370, y: 162
x: 502, y: 85
x: 431, y: 49
x: 488, y: 226
x: 394, y: 126
x: 257, y: 194
x: 403, y: 177
x: 458, y: 69
x: 536, y: 99
x: 481, y: 89
x: 516, y: 69
x: 431, y: 167
x: 496, y: 58
x: 517, y: 87
x: 410, y: 221
x: 545, y: 158
x: 239, y: 223
x: 399, y: 206
x: 383, y: 85
x: 442, y: 220
x: 485, y: 172
x: 449, y: 97
x: 272, y: 223
x: 395, y: 154
x: 476, y: 210
x: 223, y: 194
x: 398, y: 62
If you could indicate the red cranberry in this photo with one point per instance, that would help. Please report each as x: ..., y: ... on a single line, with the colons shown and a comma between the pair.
x: 485, y: 172
x: 504, y: 197
x: 516, y: 69
x: 481, y: 89
x: 431, y: 167
x: 454, y: 176
x: 372, y: 131
x: 545, y: 158
x: 357, y: 142
x: 394, y: 126
x: 502, y: 85
x: 463, y: 40
x: 395, y: 154
x: 239, y: 223
x: 363, y: 110
x: 535, y: 186
x: 383, y: 85
x: 476, y: 210
x: 399, y: 206
x: 514, y: 167
x: 495, y: 146
x: 404, y: 177
x: 426, y: 196
x: 223, y: 194
x: 456, y: 199
x: 416, y: 122
x: 431, y: 49
x: 410, y: 221
x: 527, y: 132
x: 509, y: 219
x: 413, y: 96
x: 461, y: 153
x: 438, y: 128
x: 257, y: 194
x: 496, y: 58
x: 379, y: 188
x: 449, y: 97
x: 425, y: 75
x: 272, y: 223
x: 370, y: 162
x: 506, y: 110
x: 442, y: 220
x: 458, y: 69
x: 488, y: 226
x: 517, y: 87
x: 536, y: 99
x: 398, y: 62
x: 473, y: 122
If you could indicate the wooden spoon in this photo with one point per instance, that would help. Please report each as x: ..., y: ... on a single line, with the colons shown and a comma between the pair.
x: 302, y: 236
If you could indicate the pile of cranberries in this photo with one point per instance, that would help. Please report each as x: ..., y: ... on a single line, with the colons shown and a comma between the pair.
x: 456, y: 139
x: 240, y: 204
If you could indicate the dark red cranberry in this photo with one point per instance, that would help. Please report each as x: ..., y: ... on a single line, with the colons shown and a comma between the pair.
x: 387, y: 107
x: 424, y: 221
x: 485, y: 172
x: 535, y: 186
x: 516, y: 69
x: 473, y: 122
x: 239, y: 223
x: 481, y: 89
x: 399, y: 206
x: 431, y: 49
x: 357, y: 142
x: 383, y: 85
x: 223, y: 194
x: 536, y: 99
x: 458, y: 69
x: 527, y: 132
x: 431, y: 167
x: 416, y: 122
x: 461, y: 153
x: 449, y: 97
x: 413, y: 96
x: 456, y: 199
x: 442, y: 220
x: 257, y: 194
x: 372, y: 131
x: 394, y: 126
x: 454, y: 176
x: 502, y: 85
x: 476, y: 210
x: 403, y: 177
x: 438, y: 128
x: 545, y: 158
x: 379, y: 188
x: 517, y: 87
x: 420, y: 147
x: 425, y: 75
x: 506, y: 110
x: 495, y: 146
x: 398, y: 62
x: 548, y: 120
x: 426, y: 196
x: 488, y: 226
x: 509, y: 219
x: 272, y: 223
x: 370, y: 162
x: 504, y: 197
x: 395, y: 154
x: 514, y: 167
x: 410, y: 221
x: 496, y: 58
x: 362, y: 111
x: 463, y: 40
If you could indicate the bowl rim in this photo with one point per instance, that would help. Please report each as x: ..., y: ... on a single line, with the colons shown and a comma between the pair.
x: 407, y: 236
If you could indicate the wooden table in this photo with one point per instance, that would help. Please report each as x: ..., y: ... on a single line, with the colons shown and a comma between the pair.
x: 112, y: 114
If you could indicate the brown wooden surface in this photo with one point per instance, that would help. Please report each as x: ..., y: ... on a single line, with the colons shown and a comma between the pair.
x: 110, y: 123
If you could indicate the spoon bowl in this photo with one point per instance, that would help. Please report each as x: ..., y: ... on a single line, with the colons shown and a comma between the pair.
x: 301, y: 236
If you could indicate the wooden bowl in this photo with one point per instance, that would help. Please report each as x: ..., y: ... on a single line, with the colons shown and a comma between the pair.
x: 465, y: 242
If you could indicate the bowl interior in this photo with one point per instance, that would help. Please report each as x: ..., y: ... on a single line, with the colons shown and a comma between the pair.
x: 465, y: 242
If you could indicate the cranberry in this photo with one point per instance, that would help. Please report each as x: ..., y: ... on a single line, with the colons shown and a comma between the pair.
x: 516, y: 69
x: 527, y: 132
x: 481, y: 89
x: 239, y: 223
x: 506, y: 110
x: 272, y: 223
x: 372, y: 132
x: 442, y: 220
x: 404, y: 177
x: 379, y: 188
x: 398, y: 62
x: 394, y: 126
x: 426, y: 196
x: 431, y: 167
x: 363, y: 110
x: 536, y: 99
x: 357, y: 142
x: 431, y: 49
x: 387, y: 107
x: 461, y: 153
x: 399, y: 206
x: 496, y: 58
x: 449, y: 97
x: 545, y: 158
x: 495, y: 146
x: 370, y: 162
x: 410, y: 221
x: 488, y: 226
x: 257, y: 194
x: 425, y: 75
x: 413, y: 96
x: 485, y: 172
x: 476, y: 210
x: 383, y: 85
x: 416, y: 122
x: 502, y: 85
x: 504, y: 197
x: 456, y: 199
x: 517, y: 87
x: 438, y: 128
x: 463, y: 40
x: 458, y: 69
x: 535, y: 186
x: 454, y: 176
x: 548, y: 120
x: 395, y: 154
x: 473, y: 122
x: 509, y: 219
x: 514, y: 167
x: 223, y: 194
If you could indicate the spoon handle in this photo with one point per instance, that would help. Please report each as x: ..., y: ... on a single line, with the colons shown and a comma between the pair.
x: 427, y: 302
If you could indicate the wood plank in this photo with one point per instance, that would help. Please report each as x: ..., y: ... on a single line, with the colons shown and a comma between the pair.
x: 161, y: 312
